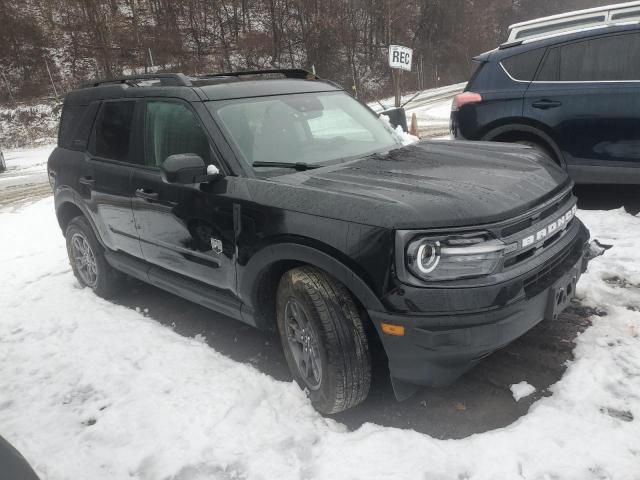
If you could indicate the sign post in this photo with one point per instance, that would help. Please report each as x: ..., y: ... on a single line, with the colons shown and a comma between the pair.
x: 400, y: 59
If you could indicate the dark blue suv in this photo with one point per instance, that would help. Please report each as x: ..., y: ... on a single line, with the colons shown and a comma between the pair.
x: 573, y: 95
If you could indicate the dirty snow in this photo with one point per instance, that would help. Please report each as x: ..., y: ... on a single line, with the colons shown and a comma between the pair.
x: 521, y: 390
x: 89, y: 389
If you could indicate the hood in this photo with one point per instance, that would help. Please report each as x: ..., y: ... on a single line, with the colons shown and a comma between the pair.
x: 430, y: 184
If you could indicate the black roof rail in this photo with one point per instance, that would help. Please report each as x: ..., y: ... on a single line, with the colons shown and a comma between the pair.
x: 287, y: 72
x: 167, y: 79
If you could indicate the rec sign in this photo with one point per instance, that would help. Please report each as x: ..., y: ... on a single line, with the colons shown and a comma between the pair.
x: 400, y: 57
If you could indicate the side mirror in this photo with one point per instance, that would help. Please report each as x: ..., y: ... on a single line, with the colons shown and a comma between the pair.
x: 187, y: 168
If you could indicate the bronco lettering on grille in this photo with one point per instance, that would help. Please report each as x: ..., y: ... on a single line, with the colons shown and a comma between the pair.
x: 548, y: 231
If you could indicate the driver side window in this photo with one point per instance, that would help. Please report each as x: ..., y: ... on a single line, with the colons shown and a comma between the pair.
x: 172, y: 128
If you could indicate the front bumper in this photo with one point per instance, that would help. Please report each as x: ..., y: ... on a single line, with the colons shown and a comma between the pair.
x: 437, y: 349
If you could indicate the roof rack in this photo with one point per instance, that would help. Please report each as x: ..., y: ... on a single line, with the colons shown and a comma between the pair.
x: 167, y: 79
x: 287, y: 72
x: 577, y: 20
x: 181, y: 80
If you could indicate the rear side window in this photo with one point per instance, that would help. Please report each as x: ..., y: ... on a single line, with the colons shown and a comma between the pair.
x: 71, y: 115
x: 112, y: 134
x: 523, y: 66
x: 613, y: 58
x: 75, y: 126
x: 172, y: 128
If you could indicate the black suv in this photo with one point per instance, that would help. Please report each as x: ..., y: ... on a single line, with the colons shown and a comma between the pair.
x: 288, y: 205
x: 574, y: 96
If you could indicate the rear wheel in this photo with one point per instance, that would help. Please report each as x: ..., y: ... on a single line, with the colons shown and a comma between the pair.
x: 87, y: 259
x: 323, y: 338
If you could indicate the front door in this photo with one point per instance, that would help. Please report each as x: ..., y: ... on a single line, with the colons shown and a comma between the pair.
x: 186, y: 229
x: 588, y: 93
x: 106, y: 179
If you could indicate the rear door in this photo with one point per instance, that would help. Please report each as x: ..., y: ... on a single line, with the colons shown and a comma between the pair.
x: 186, y: 229
x: 588, y: 93
x: 105, y: 182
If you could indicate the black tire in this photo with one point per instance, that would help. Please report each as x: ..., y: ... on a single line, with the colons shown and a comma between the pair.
x: 338, y: 333
x: 106, y: 278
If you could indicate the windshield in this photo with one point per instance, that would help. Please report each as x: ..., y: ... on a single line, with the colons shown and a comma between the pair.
x: 309, y: 128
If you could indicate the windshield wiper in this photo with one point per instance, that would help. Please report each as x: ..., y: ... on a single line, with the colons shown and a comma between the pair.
x: 299, y: 166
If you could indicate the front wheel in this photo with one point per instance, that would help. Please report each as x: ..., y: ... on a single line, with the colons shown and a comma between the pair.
x: 324, y: 339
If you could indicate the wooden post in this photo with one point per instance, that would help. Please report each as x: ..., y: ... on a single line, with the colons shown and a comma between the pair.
x: 413, y: 129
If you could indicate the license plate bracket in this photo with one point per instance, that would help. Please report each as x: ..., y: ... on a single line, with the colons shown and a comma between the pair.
x: 561, y: 293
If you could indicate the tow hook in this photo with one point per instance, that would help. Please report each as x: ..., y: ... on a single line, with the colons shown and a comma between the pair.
x: 596, y: 248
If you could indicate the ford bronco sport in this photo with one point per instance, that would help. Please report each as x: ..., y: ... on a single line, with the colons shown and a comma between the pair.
x: 286, y: 204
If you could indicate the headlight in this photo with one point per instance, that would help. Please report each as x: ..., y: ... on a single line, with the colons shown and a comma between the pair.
x: 454, y: 257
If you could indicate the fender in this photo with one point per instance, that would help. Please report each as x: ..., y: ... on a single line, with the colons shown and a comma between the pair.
x: 530, y: 129
x: 249, y: 278
x: 66, y: 195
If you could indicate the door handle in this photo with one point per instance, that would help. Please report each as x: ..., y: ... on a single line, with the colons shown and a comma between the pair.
x: 88, y: 181
x: 147, y: 194
x: 546, y: 104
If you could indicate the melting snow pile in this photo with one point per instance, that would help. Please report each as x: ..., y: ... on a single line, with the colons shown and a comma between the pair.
x: 89, y: 389
x: 405, y: 137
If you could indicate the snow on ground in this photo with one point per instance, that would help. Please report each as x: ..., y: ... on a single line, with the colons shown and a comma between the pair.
x: 90, y: 389
x: 522, y: 390
x: 28, y: 160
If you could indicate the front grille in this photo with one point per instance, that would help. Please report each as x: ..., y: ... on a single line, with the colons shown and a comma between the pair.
x: 524, y: 244
x: 528, y: 222
x: 526, y: 255
x: 553, y: 269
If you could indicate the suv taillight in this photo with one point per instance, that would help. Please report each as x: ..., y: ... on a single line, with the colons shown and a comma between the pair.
x: 465, y: 98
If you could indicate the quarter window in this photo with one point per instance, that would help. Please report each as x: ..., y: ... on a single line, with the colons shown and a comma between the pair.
x: 172, y: 128
x: 113, y: 131
x: 612, y: 58
x: 524, y: 66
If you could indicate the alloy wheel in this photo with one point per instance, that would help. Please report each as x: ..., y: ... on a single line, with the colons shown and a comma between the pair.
x: 84, y: 259
x: 303, y: 343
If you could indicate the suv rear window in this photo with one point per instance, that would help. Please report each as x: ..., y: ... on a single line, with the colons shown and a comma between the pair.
x: 113, y: 130
x: 524, y: 65
x: 612, y: 58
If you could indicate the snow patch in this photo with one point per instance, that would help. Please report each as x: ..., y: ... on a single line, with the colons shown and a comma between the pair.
x: 521, y: 390
x: 404, y: 137
x: 28, y: 160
